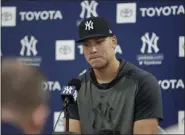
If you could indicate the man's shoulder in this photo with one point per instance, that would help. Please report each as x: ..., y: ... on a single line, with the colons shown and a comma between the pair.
x: 84, y: 75
x: 9, y: 128
x: 143, y: 78
x: 137, y: 72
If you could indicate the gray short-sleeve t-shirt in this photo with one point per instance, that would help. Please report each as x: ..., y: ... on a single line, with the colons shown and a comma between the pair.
x: 133, y: 95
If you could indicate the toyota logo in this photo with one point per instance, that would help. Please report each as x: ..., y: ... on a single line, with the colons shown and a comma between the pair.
x: 126, y: 12
x: 65, y: 50
x: 6, y: 16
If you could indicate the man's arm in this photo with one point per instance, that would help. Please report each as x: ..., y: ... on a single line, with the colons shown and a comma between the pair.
x: 148, y: 106
x: 74, y: 119
x: 74, y: 126
x: 146, y: 126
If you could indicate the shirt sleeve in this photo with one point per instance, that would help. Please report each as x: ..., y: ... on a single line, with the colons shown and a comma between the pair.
x: 148, y: 102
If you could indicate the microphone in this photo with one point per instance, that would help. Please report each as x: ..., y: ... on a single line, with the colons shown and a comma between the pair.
x: 69, y: 96
x: 69, y: 93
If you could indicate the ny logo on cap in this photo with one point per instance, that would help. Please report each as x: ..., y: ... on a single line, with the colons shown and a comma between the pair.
x: 89, y: 25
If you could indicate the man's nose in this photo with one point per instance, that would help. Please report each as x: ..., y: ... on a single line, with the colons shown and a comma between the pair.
x: 93, y: 49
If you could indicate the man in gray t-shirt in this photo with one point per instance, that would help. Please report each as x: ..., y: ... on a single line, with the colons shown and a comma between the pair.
x: 115, y: 95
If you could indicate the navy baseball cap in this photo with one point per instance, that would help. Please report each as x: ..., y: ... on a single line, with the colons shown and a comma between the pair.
x: 93, y: 27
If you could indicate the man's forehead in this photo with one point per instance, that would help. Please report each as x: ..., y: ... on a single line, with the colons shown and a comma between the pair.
x: 94, y: 38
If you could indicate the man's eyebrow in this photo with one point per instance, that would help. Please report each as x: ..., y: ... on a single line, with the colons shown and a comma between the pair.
x: 100, y: 38
x: 96, y: 38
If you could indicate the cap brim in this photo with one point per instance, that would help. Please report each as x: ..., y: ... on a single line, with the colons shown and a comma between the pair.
x: 92, y: 36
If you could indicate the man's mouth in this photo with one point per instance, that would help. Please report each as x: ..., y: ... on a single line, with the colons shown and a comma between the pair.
x: 94, y: 57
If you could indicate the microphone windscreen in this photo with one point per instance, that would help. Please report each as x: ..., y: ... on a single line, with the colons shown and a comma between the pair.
x: 75, y: 82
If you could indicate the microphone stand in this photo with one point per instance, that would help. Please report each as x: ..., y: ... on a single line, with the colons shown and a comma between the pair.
x: 66, y: 114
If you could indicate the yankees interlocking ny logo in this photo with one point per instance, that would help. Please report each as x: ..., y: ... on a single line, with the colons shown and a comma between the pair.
x: 30, y: 45
x: 151, y: 42
x: 104, y: 111
x: 67, y: 90
x: 90, y: 8
x: 89, y: 25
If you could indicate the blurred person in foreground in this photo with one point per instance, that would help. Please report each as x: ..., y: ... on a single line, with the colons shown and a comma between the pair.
x: 116, y: 97
x: 23, y: 101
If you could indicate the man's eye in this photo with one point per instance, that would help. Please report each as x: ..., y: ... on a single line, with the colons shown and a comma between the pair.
x: 86, y: 45
x: 99, y: 41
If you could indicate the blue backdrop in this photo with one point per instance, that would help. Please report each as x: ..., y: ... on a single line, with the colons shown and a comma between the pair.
x: 150, y: 35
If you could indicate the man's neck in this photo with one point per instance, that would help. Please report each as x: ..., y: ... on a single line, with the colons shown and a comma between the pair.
x: 108, y: 73
x: 8, y: 115
x: 11, y: 116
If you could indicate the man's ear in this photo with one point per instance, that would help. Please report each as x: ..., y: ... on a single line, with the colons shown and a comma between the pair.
x: 114, y: 42
x: 39, y: 116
